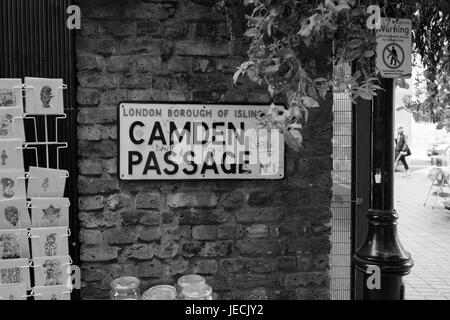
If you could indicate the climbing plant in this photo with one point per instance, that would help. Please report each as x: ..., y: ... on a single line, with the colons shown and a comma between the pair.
x: 430, y: 100
x: 280, y: 29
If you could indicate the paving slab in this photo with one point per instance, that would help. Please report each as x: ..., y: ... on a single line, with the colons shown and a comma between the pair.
x: 425, y: 232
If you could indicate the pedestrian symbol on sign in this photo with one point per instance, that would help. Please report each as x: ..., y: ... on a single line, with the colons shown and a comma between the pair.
x: 393, y: 56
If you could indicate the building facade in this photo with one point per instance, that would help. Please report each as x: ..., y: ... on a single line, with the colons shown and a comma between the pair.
x: 251, y: 239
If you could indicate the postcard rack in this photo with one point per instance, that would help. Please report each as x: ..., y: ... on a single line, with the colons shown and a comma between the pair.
x: 43, y: 147
x: 46, y: 151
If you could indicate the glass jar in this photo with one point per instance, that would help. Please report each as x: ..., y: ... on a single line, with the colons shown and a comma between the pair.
x: 200, y: 291
x: 161, y: 292
x: 188, y: 280
x: 125, y: 288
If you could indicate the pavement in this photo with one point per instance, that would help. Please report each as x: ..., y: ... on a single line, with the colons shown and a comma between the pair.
x: 425, y: 233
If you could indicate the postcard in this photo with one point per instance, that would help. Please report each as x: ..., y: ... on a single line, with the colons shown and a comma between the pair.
x: 11, y: 93
x: 14, y: 214
x: 12, y: 184
x: 50, y: 212
x: 17, y: 291
x: 51, y: 293
x: 11, y: 155
x: 52, y: 271
x: 11, y: 123
x: 44, y: 96
x: 14, y: 271
x: 14, y: 244
x: 49, y: 242
x: 45, y: 182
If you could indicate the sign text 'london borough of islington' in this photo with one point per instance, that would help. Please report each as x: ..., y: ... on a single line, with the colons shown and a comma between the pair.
x: 162, y: 141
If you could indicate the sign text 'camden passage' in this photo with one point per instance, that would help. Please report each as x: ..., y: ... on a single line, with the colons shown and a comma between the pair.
x: 161, y: 141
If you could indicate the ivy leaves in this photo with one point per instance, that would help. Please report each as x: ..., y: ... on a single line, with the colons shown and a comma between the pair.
x: 309, y: 25
x: 309, y: 102
x: 278, y: 29
x: 430, y: 100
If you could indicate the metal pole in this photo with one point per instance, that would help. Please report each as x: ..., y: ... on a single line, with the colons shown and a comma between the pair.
x: 382, y: 249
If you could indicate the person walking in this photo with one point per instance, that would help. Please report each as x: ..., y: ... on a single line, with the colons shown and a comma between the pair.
x: 401, y: 150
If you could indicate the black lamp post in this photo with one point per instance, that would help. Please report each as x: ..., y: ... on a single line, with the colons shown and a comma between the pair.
x: 382, y: 248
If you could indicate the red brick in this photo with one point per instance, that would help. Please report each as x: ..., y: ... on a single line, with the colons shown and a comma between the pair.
x: 151, y: 269
x: 208, y: 232
x: 258, y: 247
x: 90, y: 167
x: 306, y: 279
x: 257, y: 231
x: 91, y: 237
x: 126, y: 235
x: 150, y: 234
x: 148, y: 200
x: 232, y: 265
x: 205, y: 267
x: 98, y: 253
x: 230, y: 231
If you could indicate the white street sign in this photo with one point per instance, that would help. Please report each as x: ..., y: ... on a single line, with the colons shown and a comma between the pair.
x: 180, y: 141
x: 394, y: 48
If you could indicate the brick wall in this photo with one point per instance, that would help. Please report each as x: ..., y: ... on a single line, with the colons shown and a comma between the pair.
x: 251, y: 239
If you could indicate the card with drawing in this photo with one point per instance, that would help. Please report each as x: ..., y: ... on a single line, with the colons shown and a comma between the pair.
x: 11, y: 155
x: 51, y: 293
x: 13, y: 291
x: 12, y: 184
x: 11, y: 93
x: 11, y: 123
x: 13, y: 271
x: 49, y: 242
x: 44, y: 96
x: 45, y: 182
x: 50, y: 212
x: 51, y: 271
x: 14, y: 244
x: 14, y: 214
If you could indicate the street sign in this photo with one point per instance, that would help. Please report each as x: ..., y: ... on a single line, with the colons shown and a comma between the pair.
x: 179, y: 141
x: 394, y: 48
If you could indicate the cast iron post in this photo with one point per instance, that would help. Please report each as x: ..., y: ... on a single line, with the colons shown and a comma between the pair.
x: 382, y: 248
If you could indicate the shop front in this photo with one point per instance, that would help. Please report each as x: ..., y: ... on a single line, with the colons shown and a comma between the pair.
x: 136, y: 75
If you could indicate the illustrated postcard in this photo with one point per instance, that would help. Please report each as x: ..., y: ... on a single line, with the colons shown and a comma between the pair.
x: 50, y: 212
x: 44, y: 96
x: 11, y: 93
x: 45, y: 182
x: 11, y: 123
x: 14, y: 271
x: 14, y: 214
x: 11, y: 155
x: 16, y: 291
x: 52, y: 271
x: 51, y: 293
x: 14, y: 244
x: 12, y: 184
x: 49, y: 242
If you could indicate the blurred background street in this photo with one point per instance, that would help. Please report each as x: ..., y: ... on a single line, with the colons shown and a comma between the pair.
x: 424, y: 232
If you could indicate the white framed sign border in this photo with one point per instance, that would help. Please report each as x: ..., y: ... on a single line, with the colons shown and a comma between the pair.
x: 167, y: 104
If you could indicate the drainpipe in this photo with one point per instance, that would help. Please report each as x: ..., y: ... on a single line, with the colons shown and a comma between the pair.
x: 382, y: 250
